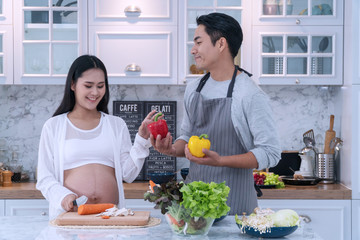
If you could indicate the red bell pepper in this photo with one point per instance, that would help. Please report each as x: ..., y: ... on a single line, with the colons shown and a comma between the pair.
x: 158, y: 127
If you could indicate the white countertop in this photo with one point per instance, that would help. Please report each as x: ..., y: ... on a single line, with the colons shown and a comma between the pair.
x: 26, y: 228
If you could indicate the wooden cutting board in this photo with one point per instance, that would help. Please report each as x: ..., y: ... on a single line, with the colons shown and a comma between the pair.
x: 140, y: 218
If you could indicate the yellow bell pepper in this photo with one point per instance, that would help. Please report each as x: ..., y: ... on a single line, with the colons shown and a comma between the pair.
x: 197, y: 143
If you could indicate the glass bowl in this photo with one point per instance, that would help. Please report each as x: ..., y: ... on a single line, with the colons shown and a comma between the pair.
x: 160, y: 178
x: 274, y: 232
x: 191, y: 226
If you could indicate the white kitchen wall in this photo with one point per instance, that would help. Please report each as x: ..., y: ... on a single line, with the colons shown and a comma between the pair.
x: 25, y: 108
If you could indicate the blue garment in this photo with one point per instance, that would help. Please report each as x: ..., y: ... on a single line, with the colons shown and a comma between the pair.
x: 251, y: 115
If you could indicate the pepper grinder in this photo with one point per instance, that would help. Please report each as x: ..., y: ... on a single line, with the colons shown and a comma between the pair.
x: 7, y: 178
x: 15, y: 167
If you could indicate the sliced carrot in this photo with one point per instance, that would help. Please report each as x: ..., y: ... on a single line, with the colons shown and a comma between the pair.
x: 152, y: 185
x: 105, y: 217
x: 94, y: 208
x: 173, y: 221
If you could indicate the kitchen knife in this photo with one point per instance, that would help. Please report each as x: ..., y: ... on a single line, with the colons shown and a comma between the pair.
x: 330, y: 134
x: 80, y: 201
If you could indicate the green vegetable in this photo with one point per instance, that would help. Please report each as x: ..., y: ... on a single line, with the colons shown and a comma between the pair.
x: 206, y: 199
x: 273, y: 179
x: 285, y: 218
x: 164, y: 195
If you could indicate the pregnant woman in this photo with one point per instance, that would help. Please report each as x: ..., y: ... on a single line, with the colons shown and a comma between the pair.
x: 85, y: 151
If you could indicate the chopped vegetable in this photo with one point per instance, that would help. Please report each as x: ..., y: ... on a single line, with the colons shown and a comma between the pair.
x: 197, y: 143
x: 105, y: 217
x: 159, y: 127
x: 93, y: 208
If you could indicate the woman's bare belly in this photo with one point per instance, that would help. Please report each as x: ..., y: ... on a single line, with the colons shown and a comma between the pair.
x: 96, y: 181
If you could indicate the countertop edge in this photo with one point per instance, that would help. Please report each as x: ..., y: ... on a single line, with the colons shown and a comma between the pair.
x: 136, y: 190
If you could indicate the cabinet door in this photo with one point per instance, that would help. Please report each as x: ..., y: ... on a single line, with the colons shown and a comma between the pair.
x: 49, y: 36
x: 298, y: 12
x: 6, y: 54
x: 135, y: 54
x: 26, y: 207
x: 331, y: 219
x: 298, y: 55
x: 189, y: 10
x: 6, y: 11
x: 355, y: 219
x: 141, y: 205
x: 135, y: 12
x: 2, y: 207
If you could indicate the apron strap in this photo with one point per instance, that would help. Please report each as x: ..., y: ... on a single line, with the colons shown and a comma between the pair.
x: 232, y: 83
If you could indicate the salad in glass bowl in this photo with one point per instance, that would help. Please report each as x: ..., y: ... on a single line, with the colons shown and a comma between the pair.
x: 190, y: 209
x: 266, y: 223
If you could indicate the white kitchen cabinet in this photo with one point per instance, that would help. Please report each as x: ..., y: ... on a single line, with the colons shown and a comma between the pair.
x: 310, y: 55
x: 26, y: 207
x: 48, y: 36
x: 331, y: 219
x: 297, y: 42
x: 355, y: 219
x: 2, y: 207
x: 136, y: 40
x: 6, y: 42
x: 188, y: 11
x: 134, y: 12
x: 141, y: 205
x: 136, y: 54
x: 298, y: 12
x: 6, y: 11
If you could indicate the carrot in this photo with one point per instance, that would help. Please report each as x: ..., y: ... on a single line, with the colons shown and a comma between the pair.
x: 105, y: 217
x: 173, y: 221
x: 152, y: 185
x: 94, y: 208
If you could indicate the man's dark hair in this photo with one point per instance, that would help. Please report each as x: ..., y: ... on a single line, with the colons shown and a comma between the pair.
x: 219, y: 25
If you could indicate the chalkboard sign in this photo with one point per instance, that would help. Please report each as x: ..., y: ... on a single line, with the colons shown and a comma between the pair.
x: 133, y: 113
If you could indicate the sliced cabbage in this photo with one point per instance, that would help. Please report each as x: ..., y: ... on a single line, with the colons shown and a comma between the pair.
x: 285, y: 218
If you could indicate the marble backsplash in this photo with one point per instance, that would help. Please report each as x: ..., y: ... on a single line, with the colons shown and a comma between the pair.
x: 25, y: 108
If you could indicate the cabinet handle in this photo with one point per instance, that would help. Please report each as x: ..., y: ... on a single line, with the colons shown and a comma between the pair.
x: 132, y: 9
x: 297, y: 21
x: 297, y: 81
x: 133, y: 68
x: 43, y: 213
x: 306, y: 218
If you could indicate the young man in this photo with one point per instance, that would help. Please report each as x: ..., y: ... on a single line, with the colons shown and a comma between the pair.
x: 228, y: 106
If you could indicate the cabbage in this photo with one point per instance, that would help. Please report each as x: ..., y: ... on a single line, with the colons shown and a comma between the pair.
x: 285, y: 218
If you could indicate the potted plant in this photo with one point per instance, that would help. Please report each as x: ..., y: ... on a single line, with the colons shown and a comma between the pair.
x: 190, y: 209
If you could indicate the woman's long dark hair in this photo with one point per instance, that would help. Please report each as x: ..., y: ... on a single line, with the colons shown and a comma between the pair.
x: 80, y: 65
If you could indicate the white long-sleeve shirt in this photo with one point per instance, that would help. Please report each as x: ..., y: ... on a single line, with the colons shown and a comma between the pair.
x: 128, y: 158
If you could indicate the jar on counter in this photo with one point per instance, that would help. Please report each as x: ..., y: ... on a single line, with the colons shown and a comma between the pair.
x: 15, y: 167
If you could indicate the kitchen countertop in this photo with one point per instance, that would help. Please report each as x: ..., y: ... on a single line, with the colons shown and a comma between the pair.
x: 30, y: 227
x: 136, y: 190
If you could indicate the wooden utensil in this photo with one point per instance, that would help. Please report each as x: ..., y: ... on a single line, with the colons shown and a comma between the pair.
x: 330, y: 134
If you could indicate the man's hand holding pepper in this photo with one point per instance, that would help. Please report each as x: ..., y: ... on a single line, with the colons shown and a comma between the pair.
x: 211, y: 158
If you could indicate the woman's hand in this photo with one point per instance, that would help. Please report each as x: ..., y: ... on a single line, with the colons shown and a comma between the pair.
x: 143, y: 130
x: 163, y: 145
x: 67, y: 202
x: 211, y: 158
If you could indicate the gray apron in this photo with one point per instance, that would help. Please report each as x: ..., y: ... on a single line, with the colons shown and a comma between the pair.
x: 213, y: 117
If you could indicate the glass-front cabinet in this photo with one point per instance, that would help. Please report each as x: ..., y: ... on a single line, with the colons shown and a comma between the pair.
x: 6, y: 42
x: 50, y: 35
x: 298, y: 42
x: 298, y: 12
x: 287, y: 56
x: 189, y: 10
